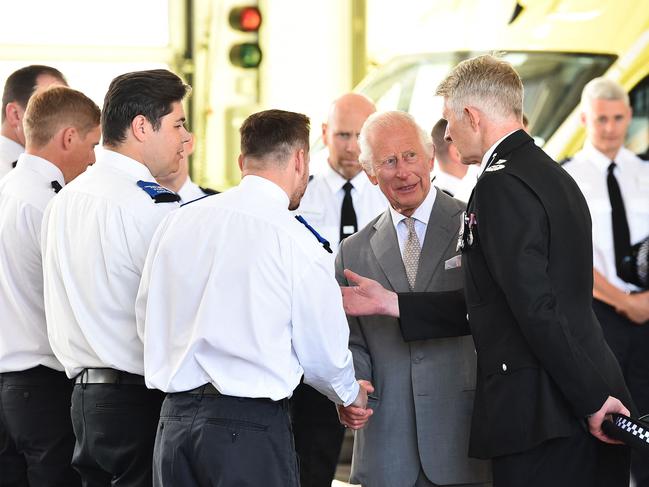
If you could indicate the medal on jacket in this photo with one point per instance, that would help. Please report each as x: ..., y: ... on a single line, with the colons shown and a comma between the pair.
x: 465, y: 235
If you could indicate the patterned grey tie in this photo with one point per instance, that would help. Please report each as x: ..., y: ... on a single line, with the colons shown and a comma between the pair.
x: 411, y: 252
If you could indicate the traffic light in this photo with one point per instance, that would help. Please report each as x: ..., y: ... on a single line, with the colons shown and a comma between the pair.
x: 246, y: 19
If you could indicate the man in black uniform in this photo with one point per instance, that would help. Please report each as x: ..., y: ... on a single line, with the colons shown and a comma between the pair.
x: 544, y: 369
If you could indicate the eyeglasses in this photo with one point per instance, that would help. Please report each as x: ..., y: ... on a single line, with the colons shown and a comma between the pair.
x: 409, y: 157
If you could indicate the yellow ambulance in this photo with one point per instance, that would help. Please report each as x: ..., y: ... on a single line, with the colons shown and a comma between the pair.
x: 557, y: 46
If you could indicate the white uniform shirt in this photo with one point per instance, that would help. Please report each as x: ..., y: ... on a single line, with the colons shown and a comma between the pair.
x: 96, y: 233
x: 323, y: 200
x: 421, y: 216
x: 9, y: 152
x: 24, y: 194
x: 248, y: 306
x: 446, y: 182
x: 190, y: 191
x: 589, y: 168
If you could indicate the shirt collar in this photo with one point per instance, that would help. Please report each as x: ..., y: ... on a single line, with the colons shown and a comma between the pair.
x: 422, y: 213
x: 601, y: 161
x: 41, y: 166
x: 487, y: 156
x: 124, y: 164
x: 267, y: 187
x: 335, y: 181
x: 15, y: 146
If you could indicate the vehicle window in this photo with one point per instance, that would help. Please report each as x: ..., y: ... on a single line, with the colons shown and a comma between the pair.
x: 553, y: 84
x: 638, y: 135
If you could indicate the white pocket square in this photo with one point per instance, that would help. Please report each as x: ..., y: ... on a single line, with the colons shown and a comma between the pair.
x: 453, y: 262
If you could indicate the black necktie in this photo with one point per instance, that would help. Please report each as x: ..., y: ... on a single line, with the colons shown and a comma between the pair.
x: 621, y: 235
x: 56, y: 186
x: 348, y: 224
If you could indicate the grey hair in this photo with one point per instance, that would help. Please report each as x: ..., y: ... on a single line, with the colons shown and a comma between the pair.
x: 486, y: 82
x: 391, y: 119
x: 602, y: 89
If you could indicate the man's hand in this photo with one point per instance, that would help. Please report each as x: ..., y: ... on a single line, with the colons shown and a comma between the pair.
x: 610, y: 406
x: 636, y: 307
x: 355, y: 415
x: 367, y: 297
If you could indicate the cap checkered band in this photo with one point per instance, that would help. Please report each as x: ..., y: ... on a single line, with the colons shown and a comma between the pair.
x: 632, y: 427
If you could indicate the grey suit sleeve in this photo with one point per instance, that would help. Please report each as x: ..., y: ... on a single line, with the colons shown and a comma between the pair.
x: 357, y: 343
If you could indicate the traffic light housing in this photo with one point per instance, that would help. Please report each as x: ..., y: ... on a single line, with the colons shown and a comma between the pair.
x: 246, y: 54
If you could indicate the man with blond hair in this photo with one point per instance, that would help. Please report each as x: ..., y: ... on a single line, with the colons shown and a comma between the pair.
x: 615, y: 183
x: 61, y: 131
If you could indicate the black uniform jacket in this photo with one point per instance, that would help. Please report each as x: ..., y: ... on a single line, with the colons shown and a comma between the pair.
x: 543, y: 364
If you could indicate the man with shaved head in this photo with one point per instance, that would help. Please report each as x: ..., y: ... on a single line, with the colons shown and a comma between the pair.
x: 337, y: 203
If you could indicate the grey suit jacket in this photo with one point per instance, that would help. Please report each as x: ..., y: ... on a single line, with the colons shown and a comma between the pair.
x: 424, y: 390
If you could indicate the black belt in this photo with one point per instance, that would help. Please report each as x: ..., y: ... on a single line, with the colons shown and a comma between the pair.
x: 206, y: 390
x: 108, y: 376
x: 210, y: 390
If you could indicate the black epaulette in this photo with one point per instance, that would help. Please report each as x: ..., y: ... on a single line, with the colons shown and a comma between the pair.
x: 208, y: 191
x: 158, y: 193
x: 310, y: 178
x: 56, y: 186
x: 564, y: 160
x: 13, y: 164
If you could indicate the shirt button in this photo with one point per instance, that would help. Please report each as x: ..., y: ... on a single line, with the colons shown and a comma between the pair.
x: 504, y: 366
x: 416, y: 360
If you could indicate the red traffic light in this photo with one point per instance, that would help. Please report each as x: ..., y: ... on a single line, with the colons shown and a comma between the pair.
x: 246, y: 19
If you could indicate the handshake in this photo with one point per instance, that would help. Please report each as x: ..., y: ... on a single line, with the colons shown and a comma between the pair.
x: 356, y: 415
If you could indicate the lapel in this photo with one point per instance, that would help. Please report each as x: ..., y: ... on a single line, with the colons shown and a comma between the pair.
x: 385, y: 246
x: 442, y: 230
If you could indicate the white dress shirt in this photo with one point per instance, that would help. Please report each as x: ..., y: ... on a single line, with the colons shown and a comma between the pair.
x: 589, y: 168
x: 446, y: 182
x: 9, y: 152
x: 190, y: 191
x: 24, y: 194
x: 323, y: 200
x: 249, y: 306
x: 421, y: 216
x: 96, y: 234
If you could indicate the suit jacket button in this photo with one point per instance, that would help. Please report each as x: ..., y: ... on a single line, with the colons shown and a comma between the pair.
x: 504, y: 367
x: 467, y: 316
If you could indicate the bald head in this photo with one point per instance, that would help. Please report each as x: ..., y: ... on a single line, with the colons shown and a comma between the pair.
x: 340, y: 134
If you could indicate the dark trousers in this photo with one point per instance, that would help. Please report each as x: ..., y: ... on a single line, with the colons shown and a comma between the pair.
x: 212, y: 440
x: 630, y: 344
x: 318, y: 436
x: 115, y: 426
x: 577, y: 461
x: 38, y: 437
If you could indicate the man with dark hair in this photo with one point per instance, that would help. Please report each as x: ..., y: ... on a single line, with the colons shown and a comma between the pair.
x: 449, y: 170
x: 261, y: 309
x: 61, y: 132
x: 19, y: 87
x: 95, y: 239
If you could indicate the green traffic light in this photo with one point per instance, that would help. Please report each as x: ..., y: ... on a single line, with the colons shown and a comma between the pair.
x: 246, y: 55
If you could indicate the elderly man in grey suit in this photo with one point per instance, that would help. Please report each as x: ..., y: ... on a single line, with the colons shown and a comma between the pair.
x: 419, y: 430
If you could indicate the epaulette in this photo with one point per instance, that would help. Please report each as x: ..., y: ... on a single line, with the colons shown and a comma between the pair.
x: 564, y: 160
x: 13, y: 164
x: 208, y: 191
x: 158, y: 193
x: 56, y: 186
x: 321, y: 239
x: 310, y: 178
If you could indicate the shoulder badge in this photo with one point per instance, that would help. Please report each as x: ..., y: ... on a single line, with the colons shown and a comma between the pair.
x: 496, y: 166
x: 157, y: 192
